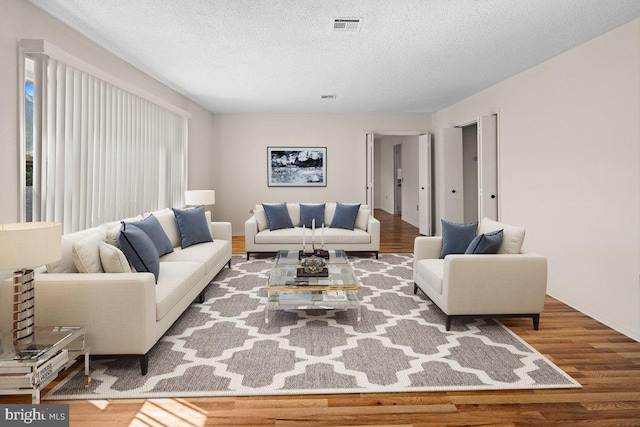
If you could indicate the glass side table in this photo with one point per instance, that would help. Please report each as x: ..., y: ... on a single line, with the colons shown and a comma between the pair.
x: 28, y: 367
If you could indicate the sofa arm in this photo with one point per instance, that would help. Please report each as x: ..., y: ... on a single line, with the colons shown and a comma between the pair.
x: 373, y: 228
x: 118, y: 309
x: 495, y: 284
x: 250, y: 231
x: 220, y: 230
x: 427, y: 247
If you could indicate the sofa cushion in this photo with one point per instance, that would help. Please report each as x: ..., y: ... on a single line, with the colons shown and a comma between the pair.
x: 261, y: 218
x: 362, y: 219
x: 277, y: 215
x: 113, y: 229
x: 139, y: 249
x: 154, y: 230
x: 512, y: 239
x: 167, y: 220
x: 113, y: 259
x: 176, y: 280
x: 294, y: 213
x: 432, y: 272
x: 86, y: 252
x: 193, y: 226
x: 485, y: 244
x: 456, y: 237
x: 310, y: 212
x: 66, y: 264
x: 345, y: 216
x: 331, y: 236
x: 207, y: 253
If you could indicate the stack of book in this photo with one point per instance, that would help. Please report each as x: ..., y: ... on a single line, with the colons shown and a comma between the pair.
x: 13, y: 377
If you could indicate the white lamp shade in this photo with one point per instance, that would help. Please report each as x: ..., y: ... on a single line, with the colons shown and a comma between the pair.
x: 29, y: 244
x: 199, y: 197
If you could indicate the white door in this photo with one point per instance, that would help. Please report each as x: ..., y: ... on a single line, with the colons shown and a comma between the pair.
x: 453, y: 184
x: 370, y: 173
x: 487, y: 167
x: 424, y: 181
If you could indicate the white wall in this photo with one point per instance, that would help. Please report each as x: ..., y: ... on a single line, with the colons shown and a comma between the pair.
x: 241, y: 142
x: 570, y: 172
x: 20, y: 20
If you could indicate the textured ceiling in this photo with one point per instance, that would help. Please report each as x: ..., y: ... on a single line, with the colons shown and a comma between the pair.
x: 280, y: 56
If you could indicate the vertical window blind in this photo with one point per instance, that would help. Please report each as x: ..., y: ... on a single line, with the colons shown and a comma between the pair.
x: 101, y: 153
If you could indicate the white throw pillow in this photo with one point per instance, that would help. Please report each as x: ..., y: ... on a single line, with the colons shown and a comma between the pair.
x: 66, y: 264
x: 294, y: 214
x: 329, y: 211
x: 261, y: 218
x: 167, y: 220
x: 512, y: 236
x: 362, y: 219
x: 113, y: 259
x: 86, y: 252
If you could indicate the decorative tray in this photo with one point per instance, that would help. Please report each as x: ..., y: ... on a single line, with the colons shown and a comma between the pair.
x: 318, y: 252
x: 300, y: 273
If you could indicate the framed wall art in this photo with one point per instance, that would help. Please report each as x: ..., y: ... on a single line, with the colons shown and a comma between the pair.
x: 297, y: 166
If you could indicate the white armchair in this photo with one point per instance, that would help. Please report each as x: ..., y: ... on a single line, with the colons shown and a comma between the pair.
x: 500, y: 285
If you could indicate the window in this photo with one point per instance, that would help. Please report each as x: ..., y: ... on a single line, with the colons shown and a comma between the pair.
x: 97, y: 152
x: 28, y: 139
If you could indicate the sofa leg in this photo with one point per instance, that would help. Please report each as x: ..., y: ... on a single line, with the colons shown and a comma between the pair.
x: 415, y: 289
x: 200, y: 299
x: 229, y: 264
x: 448, y: 323
x: 144, y: 363
x: 536, y: 321
x: 376, y: 254
x: 248, y: 254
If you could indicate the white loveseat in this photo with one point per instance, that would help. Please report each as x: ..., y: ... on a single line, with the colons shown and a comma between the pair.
x: 125, y: 314
x: 365, y: 237
x: 506, y: 284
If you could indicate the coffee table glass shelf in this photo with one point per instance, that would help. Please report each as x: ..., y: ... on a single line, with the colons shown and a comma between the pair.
x: 287, y: 291
x: 28, y: 367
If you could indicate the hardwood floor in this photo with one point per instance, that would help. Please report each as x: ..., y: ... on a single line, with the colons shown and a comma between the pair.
x: 605, y: 362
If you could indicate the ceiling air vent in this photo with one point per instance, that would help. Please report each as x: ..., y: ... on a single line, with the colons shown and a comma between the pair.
x: 328, y: 96
x: 352, y: 25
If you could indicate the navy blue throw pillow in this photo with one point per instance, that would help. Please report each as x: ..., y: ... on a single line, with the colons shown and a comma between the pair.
x: 345, y: 216
x: 154, y: 230
x: 310, y: 212
x: 192, y: 225
x: 456, y: 238
x: 277, y: 215
x: 485, y: 244
x: 139, y: 249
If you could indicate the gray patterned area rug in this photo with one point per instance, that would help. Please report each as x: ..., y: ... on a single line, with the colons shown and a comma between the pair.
x: 224, y: 348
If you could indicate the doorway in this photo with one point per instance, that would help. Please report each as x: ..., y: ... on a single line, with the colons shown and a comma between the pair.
x: 397, y: 179
x: 470, y: 172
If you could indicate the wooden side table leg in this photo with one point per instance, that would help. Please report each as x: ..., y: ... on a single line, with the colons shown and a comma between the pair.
x: 87, y: 377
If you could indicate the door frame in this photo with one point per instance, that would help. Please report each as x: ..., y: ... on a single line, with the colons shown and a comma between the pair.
x: 469, y: 120
x: 368, y: 138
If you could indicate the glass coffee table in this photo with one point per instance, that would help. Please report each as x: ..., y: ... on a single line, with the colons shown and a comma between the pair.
x: 287, y: 291
x: 28, y: 367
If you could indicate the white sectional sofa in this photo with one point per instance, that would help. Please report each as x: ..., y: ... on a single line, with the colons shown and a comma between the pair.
x: 126, y: 313
x: 365, y: 236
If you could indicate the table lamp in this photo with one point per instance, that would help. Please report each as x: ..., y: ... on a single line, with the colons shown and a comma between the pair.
x: 199, y: 197
x: 23, y: 246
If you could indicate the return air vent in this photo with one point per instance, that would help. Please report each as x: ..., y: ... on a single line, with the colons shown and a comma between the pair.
x: 328, y: 96
x: 352, y: 25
